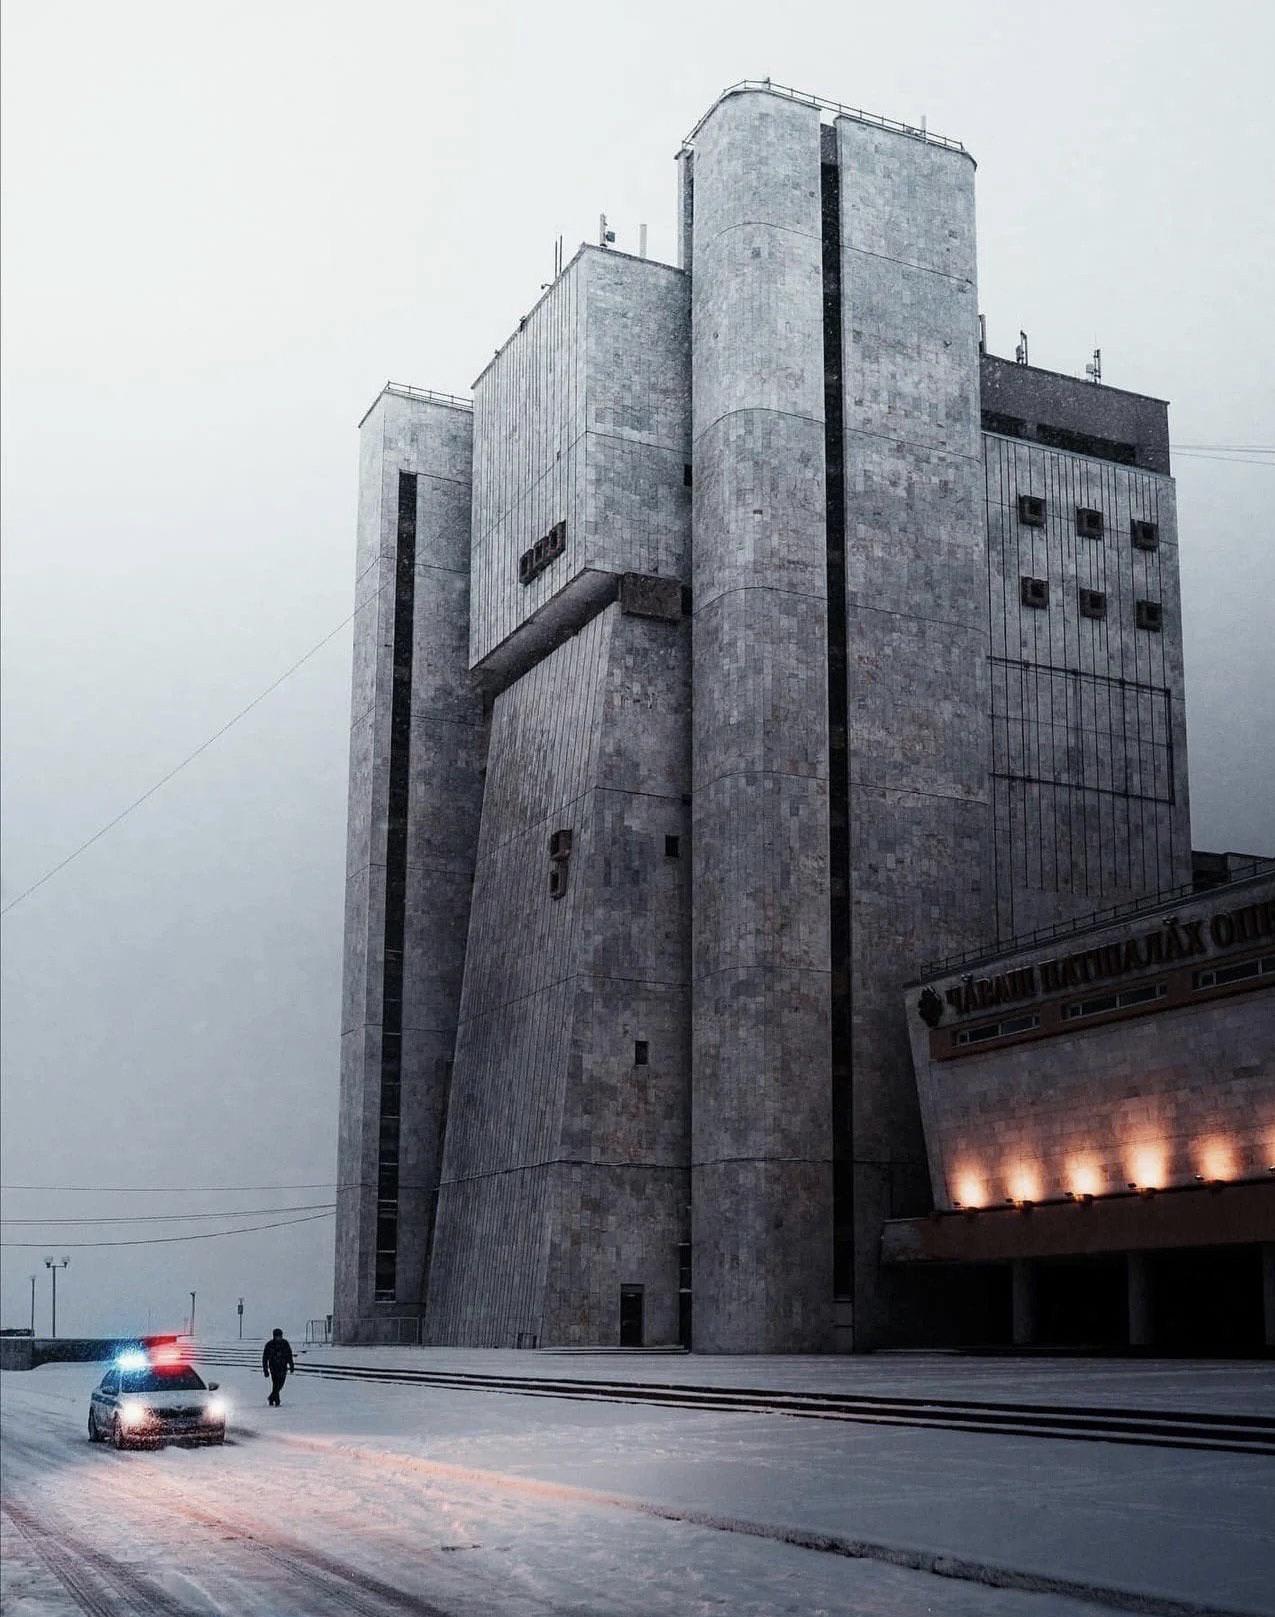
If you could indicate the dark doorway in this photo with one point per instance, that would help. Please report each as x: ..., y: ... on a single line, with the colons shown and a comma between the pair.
x: 1208, y: 1301
x: 1082, y: 1302
x: 631, y: 1316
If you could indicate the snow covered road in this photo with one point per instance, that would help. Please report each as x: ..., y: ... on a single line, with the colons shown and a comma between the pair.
x: 377, y: 1499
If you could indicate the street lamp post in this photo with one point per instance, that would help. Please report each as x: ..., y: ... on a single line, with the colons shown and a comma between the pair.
x: 241, y: 1319
x: 54, y: 1265
x: 192, y: 1313
x: 32, y: 1305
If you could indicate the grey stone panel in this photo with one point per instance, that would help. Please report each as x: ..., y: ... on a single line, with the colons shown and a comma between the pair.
x: 918, y: 696
x: 582, y: 418
x: 402, y: 434
x: 741, y: 1209
x: 761, y: 1254
x: 764, y: 707
x: 759, y: 491
x: 761, y: 889
x: 553, y: 1128
x: 916, y: 637
x: 914, y: 532
x: 1103, y: 814
x: 906, y: 201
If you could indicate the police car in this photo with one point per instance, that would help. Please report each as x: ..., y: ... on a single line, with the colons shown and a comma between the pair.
x: 150, y: 1397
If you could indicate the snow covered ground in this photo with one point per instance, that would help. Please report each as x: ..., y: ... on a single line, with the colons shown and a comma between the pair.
x: 376, y: 1499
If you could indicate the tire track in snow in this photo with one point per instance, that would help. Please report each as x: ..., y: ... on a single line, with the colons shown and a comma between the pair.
x: 87, y: 1574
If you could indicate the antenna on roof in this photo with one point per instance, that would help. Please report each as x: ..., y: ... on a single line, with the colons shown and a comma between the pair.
x: 1094, y: 370
x: 605, y: 236
x: 1020, y: 353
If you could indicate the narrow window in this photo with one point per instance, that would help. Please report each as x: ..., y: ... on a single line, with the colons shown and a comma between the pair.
x: 560, y: 844
x: 641, y: 1053
x: 1145, y: 535
x: 672, y: 847
x: 1150, y: 615
x: 686, y: 474
x: 1031, y: 510
x: 1093, y: 604
x: 1089, y: 524
x: 557, y: 880
x: 1035, y: 592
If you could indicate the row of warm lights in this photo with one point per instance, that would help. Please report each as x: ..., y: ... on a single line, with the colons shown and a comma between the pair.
x: 1085, y: 1177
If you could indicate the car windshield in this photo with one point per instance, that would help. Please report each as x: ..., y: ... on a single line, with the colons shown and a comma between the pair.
x: 180, y: 1379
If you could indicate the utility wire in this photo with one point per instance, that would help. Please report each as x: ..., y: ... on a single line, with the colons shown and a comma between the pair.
x: 164, y: 1240
x: 181, y: 1190
x: 188, y: 759
x: 1227, y: 460
x: 172, y: 1218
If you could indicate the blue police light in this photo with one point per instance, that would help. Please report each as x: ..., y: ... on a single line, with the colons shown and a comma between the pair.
x: 132, y: 1359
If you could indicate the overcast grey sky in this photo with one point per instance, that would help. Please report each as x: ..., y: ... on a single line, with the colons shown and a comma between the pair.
x: 225, y: 227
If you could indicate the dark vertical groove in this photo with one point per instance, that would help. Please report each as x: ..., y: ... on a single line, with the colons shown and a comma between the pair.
x: 387, y: 1208
x: 839, y: 748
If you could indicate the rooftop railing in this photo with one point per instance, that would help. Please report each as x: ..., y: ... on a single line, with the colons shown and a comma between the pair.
x: 1087, y: 923
x: 824, y: 105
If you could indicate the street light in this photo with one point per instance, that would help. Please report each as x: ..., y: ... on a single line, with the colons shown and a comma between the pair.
x: 192, y: 1313
x: 54, y: 1266
x: 32, y: 1305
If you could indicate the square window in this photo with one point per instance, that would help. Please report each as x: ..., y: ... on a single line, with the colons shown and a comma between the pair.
x: 527, y: 566
x: 1145, y: 535
x: 1089, y: 523
x: 1035, y: 592
x: 672, y: 847
x: 641, y: 1053
x: 1150, y: 615
x: 560, y: 844
x: 1031, y: 510
x: 1093, y: 604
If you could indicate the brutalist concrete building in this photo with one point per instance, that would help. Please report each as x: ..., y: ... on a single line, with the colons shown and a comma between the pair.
x: 750, y: 639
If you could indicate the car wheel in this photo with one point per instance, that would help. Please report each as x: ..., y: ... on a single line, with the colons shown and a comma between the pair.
x: 117, y: 1434
x: 94, y: 1435
x: 218, y: 1437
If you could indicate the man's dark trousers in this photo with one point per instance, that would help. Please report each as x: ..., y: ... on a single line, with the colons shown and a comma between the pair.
x: 277, y: 1379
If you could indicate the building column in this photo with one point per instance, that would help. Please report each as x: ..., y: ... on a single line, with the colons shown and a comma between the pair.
x: 1138, y: 1284
x: 1268, y: 1293
x: 1023, y: 1283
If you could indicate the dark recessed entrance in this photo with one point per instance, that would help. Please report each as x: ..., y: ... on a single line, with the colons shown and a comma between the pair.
x: 631, y: 1309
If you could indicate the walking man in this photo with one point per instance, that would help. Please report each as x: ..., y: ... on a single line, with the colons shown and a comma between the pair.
x: 276, y: 1361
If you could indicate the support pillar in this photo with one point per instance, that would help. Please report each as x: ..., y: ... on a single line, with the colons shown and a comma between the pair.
x: 1023, y: 1283
x: 1138, y: 1285
x: 1268, y: 1294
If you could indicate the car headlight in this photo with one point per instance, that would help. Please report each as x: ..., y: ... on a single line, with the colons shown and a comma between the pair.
x: 132, y: 1413
x: 218, y: 1409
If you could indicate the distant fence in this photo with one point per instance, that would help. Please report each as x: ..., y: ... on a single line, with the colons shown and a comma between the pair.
x: 26, y: 1352
x: 318, y: 1332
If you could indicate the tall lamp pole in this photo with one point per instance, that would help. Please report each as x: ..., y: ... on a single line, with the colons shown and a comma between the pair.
x: 192, y: 1313
x: 32, y: 1305
x: 54, y: 1265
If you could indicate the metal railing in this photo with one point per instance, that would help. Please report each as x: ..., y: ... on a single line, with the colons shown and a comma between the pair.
x: 428, y: 394
x: 1087, y: 923
x: 824, y: 105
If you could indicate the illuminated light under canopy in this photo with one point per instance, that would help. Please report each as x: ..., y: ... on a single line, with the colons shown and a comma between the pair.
x: 132, y: 1359
x: 970, y: 1190
x: 1216, y: 1158
x: 1084, y: 1177
x: 1024, y: 1184
x: 1148, y: 1167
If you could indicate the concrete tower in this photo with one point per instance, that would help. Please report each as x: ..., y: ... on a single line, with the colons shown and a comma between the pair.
x: 794, y: 644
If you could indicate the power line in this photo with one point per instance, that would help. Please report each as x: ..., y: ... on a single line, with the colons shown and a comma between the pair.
x: 164, y: 1240
x: 171, y: 1218
x: 1226, y: 460
x: 182, y: 1190
x: 189, y: 759
x: 1236, y: 449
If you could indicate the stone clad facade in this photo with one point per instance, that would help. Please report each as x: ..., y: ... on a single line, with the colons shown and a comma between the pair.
x: 735, y: 651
